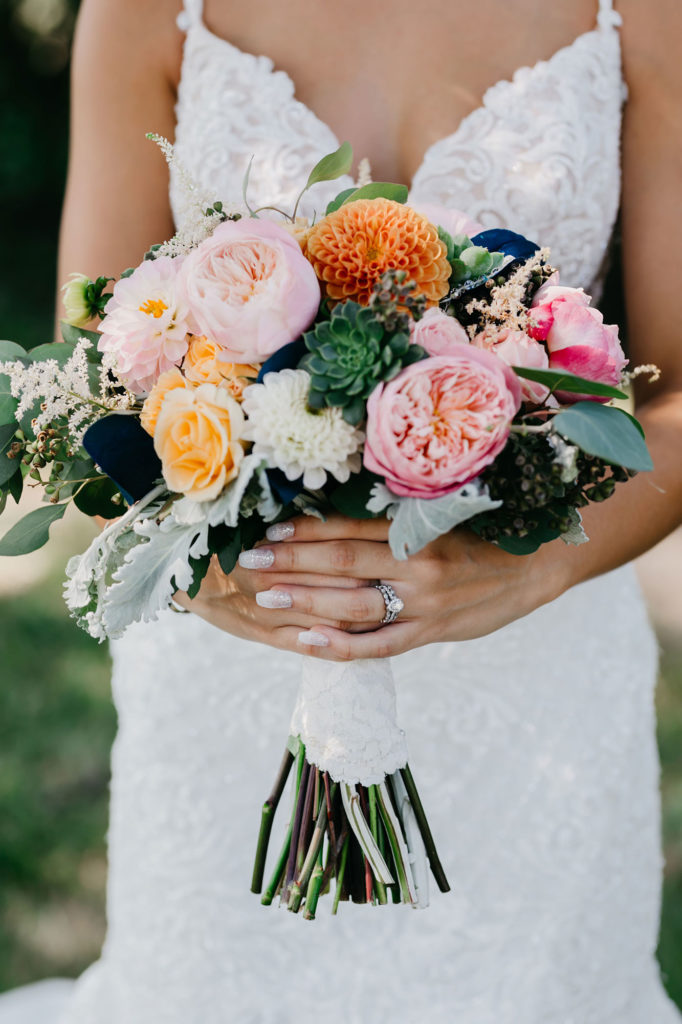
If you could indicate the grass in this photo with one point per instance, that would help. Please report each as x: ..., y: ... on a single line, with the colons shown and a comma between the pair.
x: 56, y: 728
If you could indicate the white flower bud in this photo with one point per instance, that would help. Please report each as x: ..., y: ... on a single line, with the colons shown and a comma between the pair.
x: 73, y: 296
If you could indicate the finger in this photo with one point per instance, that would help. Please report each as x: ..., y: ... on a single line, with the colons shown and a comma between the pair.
x: 330, y: 644
x: 334, y: 527
x: 350, y: 558
x: 344, y: 608
x: 251, y: 581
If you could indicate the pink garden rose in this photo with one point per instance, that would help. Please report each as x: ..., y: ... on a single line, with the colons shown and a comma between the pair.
x: 453, y: 221
x: 581, y: 343
x: 440, y: 422
x: 250, y: 289
x: 437, y: 332
x: 547, y: 300
x: 515, y: 348
x: 146, y: 323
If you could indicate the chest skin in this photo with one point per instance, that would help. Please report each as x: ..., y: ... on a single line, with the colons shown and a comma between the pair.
x: 394, y: 76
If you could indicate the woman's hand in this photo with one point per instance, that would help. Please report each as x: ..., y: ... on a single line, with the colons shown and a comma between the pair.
x: 229, y: 602
x: 318, y: 577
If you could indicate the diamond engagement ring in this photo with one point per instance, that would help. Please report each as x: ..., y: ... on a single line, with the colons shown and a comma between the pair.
x: 392, y: 603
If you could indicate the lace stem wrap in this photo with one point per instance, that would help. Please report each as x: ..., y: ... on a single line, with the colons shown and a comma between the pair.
x: 345, y: 714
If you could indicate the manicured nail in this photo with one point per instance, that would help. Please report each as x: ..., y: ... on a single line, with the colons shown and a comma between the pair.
x: 312, y: 639
x: 257, y: 558
x: 274, y: 599
x: 280, y: 531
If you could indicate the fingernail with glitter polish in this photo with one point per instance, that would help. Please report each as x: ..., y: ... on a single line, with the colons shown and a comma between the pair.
x: 257, y: 558
x: 274, y: 599
x: 312, y: 639
x: 280, y: 531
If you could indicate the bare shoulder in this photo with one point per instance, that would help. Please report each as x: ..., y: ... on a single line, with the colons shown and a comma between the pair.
x: 131, y: 34
x: 650, y: 36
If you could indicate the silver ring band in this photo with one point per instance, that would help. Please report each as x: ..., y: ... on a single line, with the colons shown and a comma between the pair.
x: 392, y: 603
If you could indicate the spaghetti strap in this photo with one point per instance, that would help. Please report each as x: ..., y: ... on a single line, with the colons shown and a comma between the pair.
x: 191, y: 14
x: 607, y: 16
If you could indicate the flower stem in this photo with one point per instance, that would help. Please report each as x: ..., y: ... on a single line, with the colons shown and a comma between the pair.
x: 267, y: 818
x: 422, y: 822
x: 314, y: 890
x: 377, y: 832
x: 291, y: 860
x: 340, y: 876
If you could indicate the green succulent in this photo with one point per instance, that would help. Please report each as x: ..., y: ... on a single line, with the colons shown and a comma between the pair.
x: 350, y: 354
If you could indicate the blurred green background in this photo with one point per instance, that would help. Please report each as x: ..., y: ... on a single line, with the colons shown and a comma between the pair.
x: 56, y: 717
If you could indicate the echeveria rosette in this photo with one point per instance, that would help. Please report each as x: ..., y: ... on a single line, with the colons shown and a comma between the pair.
x: 349, y: 355
x: 439, y: 423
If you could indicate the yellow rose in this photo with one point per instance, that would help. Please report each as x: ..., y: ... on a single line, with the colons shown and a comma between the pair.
x: 202, y: 365
x: 168, y: 381
x: 197, y: 439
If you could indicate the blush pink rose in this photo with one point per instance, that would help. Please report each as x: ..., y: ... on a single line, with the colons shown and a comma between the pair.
x: 440, y: 422
x: 581, y: 343
x: 515, y: 348
x: 453, y: 221
x: 250, y: 289
x: 437, y: 332
x: 547, y: 300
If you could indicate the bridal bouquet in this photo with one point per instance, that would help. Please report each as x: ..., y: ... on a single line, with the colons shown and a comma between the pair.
x: 383, y: 360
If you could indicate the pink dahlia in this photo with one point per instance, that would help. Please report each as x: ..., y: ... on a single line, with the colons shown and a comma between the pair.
x: 146, y: 325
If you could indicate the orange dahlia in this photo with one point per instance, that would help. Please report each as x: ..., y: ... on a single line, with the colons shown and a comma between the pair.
x: 355, y: 245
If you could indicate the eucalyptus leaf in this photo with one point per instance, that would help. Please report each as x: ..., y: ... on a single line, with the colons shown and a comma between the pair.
x: 31, y: 532
x: 559, y: 380
x: 605, y: 432
x: 340, y: 199
x: 59, y: 350
x: 9, y: 352
x: 95, y: 499
x: 15, y: 485
x: 73, y: 334
x: 331, y: 166
x: 8, y: 467
x: 378, y: 190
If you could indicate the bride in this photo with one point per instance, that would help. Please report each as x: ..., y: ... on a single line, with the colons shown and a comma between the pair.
x: 527, y: 683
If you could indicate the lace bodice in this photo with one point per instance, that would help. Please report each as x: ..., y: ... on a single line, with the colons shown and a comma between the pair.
x: 540, y: 155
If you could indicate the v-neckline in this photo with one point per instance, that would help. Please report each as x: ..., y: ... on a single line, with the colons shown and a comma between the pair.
x: 503, y: 84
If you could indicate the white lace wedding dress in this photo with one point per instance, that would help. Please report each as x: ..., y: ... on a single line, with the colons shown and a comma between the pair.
x: 533, y: 748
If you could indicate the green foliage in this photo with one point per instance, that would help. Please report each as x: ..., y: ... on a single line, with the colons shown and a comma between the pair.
x: 99, y: 497
x: 606, y: 433
x: 199, y: 567
x: 31, y: 532
x: 349, y: 354
x: 8, y: 467
x: 331, y: 166
x: 9, y: 352
x: 557, y: 380
x: 351, y: 498
x: 72, y: 334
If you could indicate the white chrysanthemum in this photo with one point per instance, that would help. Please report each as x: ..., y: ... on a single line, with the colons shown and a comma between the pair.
x: 300, y: 441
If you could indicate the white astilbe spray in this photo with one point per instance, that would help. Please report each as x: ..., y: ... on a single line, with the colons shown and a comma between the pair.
x: 66, y: 392
x: 195, y: 224
x: 364, y: 173
x: 506, y: 305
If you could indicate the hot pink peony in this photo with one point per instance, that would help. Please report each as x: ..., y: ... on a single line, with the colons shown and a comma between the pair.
x: 440, y: 422
x: 516, y: 349
x: 580, y: 342
x: 547, y: 300
x: 453, y: 221
x: 250, y: 289
x: 438, y: 333
x: 146, y: 323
